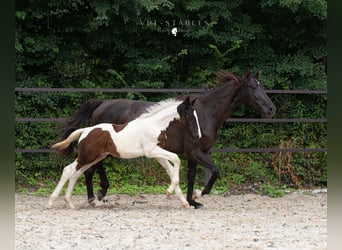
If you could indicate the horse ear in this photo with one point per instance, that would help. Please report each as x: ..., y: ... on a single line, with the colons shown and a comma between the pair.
x: 258, y: 74
x: 184, y: 106
x: 187, y: 100
x: 248, y: 72
x: 193, y: 101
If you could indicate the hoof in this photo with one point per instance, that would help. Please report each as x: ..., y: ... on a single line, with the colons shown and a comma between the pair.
x: 72, y: 206
x: 90, y: 200
x: 197, y: 205
x: 49, y: 205
x: 168, y: 194
x: 187, y: 205
x: 99, y: 195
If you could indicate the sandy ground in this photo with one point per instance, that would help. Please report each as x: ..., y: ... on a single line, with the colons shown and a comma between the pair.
x: 295, y: 221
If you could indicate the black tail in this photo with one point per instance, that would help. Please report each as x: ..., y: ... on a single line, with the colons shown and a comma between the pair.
x: 80, y: 118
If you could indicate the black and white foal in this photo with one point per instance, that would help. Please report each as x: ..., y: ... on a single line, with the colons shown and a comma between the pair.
x: 144, y: 136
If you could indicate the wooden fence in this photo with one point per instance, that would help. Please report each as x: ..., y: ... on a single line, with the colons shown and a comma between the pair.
x: 222, y: 150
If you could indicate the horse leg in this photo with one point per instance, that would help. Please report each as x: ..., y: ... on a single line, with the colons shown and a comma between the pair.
x: 68, y: 171
x: 169, y: 169
x: 72, y: 182
x: 74, y: 178
x: 104, y: 183
x: 166, y: 165
x: 159, y: 153
x: 89, y: 173
x: 206, y: 160
x: 164, y: 157
x: 191, y: 175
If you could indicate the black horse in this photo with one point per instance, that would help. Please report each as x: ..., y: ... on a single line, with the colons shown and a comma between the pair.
x: 213, y: 108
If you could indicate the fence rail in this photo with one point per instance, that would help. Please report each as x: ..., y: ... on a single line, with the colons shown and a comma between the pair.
x: 147, y: 90
x: 215, y: 150
x: 260, y: 120
x: 181, y: 90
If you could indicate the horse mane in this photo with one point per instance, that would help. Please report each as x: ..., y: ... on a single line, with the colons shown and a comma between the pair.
x: 155, y: 108
x: 224, y: 76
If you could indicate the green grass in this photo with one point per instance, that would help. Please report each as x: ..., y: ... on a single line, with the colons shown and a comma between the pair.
x: 81, y: 190
x: 132, y: 189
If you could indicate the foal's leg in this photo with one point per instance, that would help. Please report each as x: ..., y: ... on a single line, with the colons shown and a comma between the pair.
x: 178, y: 191
x: 74, y: 178
x: 68, y: 171
x: 72, y: 182
x: 166, y: 165
x: 160, y: 154
x: 163, y: 157
x: 169, y: 169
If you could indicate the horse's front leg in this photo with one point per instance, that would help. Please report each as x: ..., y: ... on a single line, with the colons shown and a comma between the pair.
x: 163, y: 156
x: 173, y: 186
x: 191, y: 175
x: 168, y: 168
x: 206, y: 160
x: 172, y: 171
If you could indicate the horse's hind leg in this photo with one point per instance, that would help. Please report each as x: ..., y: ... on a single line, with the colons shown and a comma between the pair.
x: 103, y: 179
x: 72, y: 182
x: 68, y: 171
x: 89, y: 174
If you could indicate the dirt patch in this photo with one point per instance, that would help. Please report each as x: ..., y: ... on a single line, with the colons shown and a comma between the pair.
x: 295, y: 221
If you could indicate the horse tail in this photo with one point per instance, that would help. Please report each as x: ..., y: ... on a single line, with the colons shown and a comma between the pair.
x: 81, y: 118
x: 59, y: 146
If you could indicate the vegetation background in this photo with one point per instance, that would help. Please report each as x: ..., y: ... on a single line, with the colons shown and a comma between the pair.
x: 116, y: 44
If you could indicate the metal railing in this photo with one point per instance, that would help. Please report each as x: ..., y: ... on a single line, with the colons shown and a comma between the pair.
x: 179, y: 90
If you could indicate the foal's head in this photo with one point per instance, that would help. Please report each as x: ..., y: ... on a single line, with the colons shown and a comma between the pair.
x: 189, y: 118
x: 254, y: 95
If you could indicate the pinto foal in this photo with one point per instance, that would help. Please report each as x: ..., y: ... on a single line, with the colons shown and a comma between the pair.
x: 143, y: 136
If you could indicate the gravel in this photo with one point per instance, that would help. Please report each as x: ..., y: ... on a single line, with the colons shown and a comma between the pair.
x: 295, y: 221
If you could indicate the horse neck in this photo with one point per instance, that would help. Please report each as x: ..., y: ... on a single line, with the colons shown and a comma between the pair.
x: 162, y: 118
x: 220, y: 103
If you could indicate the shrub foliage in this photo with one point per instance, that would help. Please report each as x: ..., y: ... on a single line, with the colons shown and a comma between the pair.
x: 115, y: 44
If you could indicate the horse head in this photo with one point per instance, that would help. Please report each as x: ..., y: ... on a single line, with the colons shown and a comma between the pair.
x: 253, y: 94
x: 189, y: 118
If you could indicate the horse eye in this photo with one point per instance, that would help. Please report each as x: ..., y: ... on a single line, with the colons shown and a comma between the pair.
x: 255, y: 84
